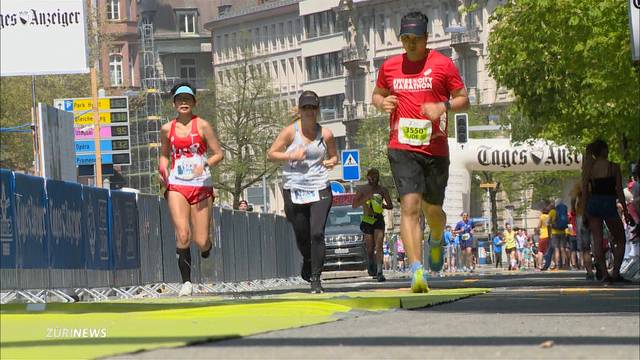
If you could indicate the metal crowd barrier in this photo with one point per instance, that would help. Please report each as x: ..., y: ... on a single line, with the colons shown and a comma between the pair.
x: 60, y: 240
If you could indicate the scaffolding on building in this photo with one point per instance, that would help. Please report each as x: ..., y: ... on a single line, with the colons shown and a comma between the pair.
x: 145, y: 127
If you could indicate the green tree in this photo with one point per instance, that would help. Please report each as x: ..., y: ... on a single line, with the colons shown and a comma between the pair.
x: 569, y: 66
x: 372, y: 139
x: 16, y: 149
x: 248, y: 117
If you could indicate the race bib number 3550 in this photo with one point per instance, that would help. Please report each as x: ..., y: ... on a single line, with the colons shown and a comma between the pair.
x: 415, y: 132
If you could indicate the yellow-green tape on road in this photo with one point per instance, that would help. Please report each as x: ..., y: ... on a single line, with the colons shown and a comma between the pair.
x: 89, y: 330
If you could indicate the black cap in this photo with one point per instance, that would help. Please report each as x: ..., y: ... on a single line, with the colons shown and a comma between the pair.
x: 309, y: 98
x: 414, y: 23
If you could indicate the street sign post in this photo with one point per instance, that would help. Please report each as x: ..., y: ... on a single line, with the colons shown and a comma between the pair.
x: 114, y: 134
x: 350, y: 165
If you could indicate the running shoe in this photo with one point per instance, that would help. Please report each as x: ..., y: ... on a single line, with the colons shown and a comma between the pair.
x: 186, y: 289
x: 419, y: 282
x: 381, y: 277
x: 436, y: 260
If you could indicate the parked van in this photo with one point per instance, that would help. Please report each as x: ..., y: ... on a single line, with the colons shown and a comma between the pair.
x: 345, y: 248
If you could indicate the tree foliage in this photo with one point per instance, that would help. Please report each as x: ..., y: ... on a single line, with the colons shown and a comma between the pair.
x: 248, y: 117
x: 569, y: 66
x: 372, y: 139
x: 16, y: 149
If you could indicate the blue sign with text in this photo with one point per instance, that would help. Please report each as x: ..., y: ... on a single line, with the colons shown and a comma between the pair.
x: 350, y: 165
x: 31, y: 227
x: 7, y: 220
x: 65, y: 224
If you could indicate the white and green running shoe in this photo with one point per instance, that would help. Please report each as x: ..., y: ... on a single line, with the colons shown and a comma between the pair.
x: 419, y: 282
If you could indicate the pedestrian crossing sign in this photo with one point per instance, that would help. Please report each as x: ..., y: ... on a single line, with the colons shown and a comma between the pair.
x: 350, y: 165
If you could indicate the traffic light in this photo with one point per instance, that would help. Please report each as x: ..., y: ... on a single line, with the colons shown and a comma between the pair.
x: 462, y: 128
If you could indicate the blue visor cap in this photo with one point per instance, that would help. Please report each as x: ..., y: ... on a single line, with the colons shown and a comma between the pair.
x: 184, y: 90
x: 413, y: 26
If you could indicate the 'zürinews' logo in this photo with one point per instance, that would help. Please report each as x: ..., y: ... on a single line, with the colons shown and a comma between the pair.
x: 33, y: 17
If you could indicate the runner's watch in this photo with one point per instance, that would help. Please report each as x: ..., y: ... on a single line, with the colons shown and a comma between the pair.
x: 447, y: 105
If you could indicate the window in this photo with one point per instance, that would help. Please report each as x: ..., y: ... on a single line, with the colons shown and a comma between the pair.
x: 290, y: 33
x: 283, y: 63
x: 273, y: 37
x: 113, y: 10
x: 115, y: 69
x: 258, y: 41
x: 298, y: 30
x: 234, y: 45
x: 445, y: 15
x: 324, y: 66
x: 221, y: 77
x: 275, y: 69
x: 319, y: 24
x: 131, y: 71
x: 226, y: 46
x: 188, y: 69
x: 380, y: 27
x: 471, y: 71
x: 187, y: 22
x: 281, y: 35
x: 331, y: 107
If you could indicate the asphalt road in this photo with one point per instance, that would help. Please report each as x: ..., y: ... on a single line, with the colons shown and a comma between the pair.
x: 526, y: 316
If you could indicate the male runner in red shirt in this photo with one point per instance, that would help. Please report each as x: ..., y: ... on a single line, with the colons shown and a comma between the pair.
x: 418, y: 88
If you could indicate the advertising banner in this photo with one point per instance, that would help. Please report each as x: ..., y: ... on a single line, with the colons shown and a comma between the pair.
x: 55, y: 32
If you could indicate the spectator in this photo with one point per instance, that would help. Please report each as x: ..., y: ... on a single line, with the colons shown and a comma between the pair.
x: 449, y: 249
x: 521, y: 242
x: 559, y: 221
x: 510, y: 246
x: 498, y: 241
x: 400, y: 253
x: 243, y: 205
x: 544, y: 246
x: 385, y: 252
x: 583, y: 236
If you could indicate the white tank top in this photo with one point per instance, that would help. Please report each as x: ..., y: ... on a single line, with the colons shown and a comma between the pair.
x: 308, y: 174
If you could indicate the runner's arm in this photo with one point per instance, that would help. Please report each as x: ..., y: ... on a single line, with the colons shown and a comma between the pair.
x: 383, y: 100
x: 361, y: 197
x: 388, y: 204
x: 165, y: 153
x: 212, y: 143
x: 277, y: 150
x: 332, y: 153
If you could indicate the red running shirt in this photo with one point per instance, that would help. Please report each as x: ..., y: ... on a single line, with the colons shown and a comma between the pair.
x: 415, y: 83
x: 186, y: 153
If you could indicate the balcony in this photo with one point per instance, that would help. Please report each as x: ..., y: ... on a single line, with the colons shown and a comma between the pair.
x: 466, y: 37
x: 356, y: 111
x: 351, y: 55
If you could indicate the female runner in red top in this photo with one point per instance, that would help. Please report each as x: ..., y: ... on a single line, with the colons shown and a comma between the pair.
x: 189, y: 191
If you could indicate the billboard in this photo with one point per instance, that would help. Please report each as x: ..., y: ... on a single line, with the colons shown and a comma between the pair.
x: 55, y: 32
x: 115, y: 142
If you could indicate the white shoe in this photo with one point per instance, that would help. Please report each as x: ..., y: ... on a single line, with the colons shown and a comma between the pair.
x: 186, y: 289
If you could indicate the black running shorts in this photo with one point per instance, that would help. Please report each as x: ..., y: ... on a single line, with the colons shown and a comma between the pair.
x: 414, y: 172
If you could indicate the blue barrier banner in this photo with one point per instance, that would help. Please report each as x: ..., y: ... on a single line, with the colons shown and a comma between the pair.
x: 7, y: 220
x: 65, y: 222
x: 31, y: 228
x: 96, y: 214
x: 125, y: 230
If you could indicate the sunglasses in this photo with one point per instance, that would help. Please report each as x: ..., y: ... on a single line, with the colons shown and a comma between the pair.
x: 410, y: 38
